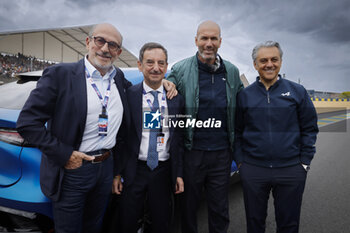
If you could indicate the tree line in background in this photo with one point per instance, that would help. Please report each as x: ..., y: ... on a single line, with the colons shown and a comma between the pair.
x: 345, y: 95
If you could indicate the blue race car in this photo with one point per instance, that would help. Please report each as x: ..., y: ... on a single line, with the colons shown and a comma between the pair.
x: 20, y: 192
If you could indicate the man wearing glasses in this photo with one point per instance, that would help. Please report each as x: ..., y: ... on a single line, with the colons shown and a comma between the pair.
x: 84, y: 105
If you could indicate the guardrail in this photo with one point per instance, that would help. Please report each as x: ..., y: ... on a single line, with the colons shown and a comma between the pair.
x: 330, y: 99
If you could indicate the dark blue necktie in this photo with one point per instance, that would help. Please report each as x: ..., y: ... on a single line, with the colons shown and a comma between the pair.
x: 152, y: 158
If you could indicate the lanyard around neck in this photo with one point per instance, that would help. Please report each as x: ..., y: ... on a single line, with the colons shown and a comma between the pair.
x: 162, y: 105
x: 104, y: 101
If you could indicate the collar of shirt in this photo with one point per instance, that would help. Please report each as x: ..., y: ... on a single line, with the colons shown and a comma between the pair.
x: 148, y: 89
x: 213, y: 67
x: 95, y: 74
x: 217, y: 62
x: 258, y: 78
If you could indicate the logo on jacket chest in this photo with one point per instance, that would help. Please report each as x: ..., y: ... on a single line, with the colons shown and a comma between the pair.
x: 286, y: 94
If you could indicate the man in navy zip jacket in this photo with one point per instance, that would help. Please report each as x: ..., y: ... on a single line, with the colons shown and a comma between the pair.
x: 276, y: 128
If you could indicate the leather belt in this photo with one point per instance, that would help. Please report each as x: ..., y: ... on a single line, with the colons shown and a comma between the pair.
x: 100, y: 155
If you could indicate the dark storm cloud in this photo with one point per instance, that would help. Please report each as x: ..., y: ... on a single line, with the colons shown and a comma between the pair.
x: 5, y: 22
x: 32, y: 14
x: 87, y: 3
x: 314, y: 34
x: 327, y: 21
x: 336, y: 29
x: 92, y: 3
x: 7, y: 9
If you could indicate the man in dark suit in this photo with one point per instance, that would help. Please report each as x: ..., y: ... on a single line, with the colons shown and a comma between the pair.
x: 83, y: 104
x: 154, y: 163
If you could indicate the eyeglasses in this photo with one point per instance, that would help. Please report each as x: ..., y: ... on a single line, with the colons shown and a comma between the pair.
x: 100, y: 42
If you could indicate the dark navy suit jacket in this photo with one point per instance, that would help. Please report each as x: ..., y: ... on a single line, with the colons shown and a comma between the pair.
x: 60, y: 100
x: 175, y: 106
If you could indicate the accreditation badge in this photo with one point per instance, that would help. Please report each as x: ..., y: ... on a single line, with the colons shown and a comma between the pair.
x: 160, y: 142
x: 102, y: 124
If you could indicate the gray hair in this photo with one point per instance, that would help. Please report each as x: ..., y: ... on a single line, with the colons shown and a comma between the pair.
x: 267, y: 44
x: 152, y: 45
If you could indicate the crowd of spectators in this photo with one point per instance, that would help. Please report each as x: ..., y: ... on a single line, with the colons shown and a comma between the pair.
x: 12, y: 64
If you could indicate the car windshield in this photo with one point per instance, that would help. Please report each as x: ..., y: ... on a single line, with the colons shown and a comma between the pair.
x: 14, y: 95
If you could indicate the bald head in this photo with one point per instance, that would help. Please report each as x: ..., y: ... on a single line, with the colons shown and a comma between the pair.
x: 208, y: 41
x: 106, y: 27
x: 208, y: 25
x: 104, y: 46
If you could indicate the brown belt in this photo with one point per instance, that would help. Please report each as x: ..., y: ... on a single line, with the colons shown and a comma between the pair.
x: 101, y: 157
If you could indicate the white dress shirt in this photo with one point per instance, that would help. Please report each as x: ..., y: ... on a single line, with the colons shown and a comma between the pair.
x: 164, y: 154
x: 91, y: 140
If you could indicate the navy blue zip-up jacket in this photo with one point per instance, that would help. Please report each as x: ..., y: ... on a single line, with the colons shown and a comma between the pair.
x: 275, y: 127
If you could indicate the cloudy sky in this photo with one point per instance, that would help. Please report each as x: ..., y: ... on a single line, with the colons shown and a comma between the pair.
x: 314, y: 34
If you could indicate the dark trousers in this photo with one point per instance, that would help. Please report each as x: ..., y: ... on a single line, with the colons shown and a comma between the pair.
x: 287, y: 186
x: 156, y: 185
x: 209, y: 170
x: 84, y: 196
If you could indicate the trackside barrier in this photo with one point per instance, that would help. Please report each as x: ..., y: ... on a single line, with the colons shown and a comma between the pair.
x: 330, y: 99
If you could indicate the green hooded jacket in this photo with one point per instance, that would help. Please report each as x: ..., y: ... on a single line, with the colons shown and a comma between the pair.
x: 184, y: 74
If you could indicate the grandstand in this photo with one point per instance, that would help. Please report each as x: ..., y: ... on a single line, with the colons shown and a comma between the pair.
x: 12, y: 64
x: 29, y: 50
